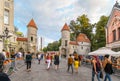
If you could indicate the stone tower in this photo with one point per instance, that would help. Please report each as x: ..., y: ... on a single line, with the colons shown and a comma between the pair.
x: 32, y: 36
x: 65, y: 39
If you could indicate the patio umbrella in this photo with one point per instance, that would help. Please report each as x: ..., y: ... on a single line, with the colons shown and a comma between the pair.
x: 103, y: 51
x: 118, y: 53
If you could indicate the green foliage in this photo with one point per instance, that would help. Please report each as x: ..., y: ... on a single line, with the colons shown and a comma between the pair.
x: 53, y: 46
x: 100, y: 38
x: 19, y: 33
x: 45, y: 49
x: 81, y: 25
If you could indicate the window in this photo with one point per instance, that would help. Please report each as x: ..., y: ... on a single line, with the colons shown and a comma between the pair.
x: 6, y: 17
x: 7, y: 4
x: 119, y: 33
x: 114, y: 35
x: 65, y: 42
x: 31, y: 39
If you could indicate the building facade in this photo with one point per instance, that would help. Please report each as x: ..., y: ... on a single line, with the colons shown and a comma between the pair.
x: 13, y: 42
x: 113, y: 29
x: 28, y: 43
x: 81, y: 45
x: 7, y: 22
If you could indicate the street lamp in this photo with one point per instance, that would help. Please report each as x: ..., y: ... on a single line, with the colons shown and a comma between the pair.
x: 5, y: 36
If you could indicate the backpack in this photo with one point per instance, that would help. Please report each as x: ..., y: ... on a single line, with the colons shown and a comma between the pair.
x: 108, y: 68
x: 28, y: 57
x: 98, y: 66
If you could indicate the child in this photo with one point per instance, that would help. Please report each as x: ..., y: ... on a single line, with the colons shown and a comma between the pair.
x: 76, y: 65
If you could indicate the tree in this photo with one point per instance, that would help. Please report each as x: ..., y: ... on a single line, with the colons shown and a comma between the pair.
x: 19, y: 34
x: 54, y: 46
x: 100, y: 38
x: 81, y: 25
x: 45, y: 49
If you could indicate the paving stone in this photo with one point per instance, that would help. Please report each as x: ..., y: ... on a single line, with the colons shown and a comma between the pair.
x: 39, y: 73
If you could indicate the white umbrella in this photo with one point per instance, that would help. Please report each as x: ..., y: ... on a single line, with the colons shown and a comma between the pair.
x: 103, y: 51
x: 118, y: 53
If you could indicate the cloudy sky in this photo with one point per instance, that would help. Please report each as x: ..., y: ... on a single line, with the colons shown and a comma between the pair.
x: 51, y: 15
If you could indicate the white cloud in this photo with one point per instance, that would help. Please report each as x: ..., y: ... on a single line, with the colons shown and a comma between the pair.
x: 50, y: 15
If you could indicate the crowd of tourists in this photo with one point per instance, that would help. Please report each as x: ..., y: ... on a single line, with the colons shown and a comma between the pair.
x: 73, y: 63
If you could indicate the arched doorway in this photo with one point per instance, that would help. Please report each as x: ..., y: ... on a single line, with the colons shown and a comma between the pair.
x: 64, y: 52
x: 21, y: 50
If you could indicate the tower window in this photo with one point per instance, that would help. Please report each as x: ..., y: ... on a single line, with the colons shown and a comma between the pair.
x: 66, y: 42
x: 31, y: 39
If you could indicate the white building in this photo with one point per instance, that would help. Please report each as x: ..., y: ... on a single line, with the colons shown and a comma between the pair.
x: 81, y: 45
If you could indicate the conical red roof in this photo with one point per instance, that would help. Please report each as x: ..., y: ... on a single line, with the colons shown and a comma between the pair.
x: 65, y: 27
x: 32, y: 24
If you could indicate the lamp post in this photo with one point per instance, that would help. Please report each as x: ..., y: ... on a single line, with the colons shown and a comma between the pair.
x: 5, y: 36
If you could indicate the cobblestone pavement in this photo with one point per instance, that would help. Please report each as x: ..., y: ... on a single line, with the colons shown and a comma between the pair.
x: 39, y: 73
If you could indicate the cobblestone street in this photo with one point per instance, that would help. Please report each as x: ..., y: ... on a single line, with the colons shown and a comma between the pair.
x: 39, y: 73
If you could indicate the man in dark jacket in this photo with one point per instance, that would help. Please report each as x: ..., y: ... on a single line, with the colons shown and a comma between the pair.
x: 4, y: 77
x: 28, y: 61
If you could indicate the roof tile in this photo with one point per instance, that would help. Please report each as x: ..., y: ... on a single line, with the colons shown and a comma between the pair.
x: 73, y: 43
x: 21, y: 39
x: 65, y: 27
x: 82, y: 38
x: 32, y: 24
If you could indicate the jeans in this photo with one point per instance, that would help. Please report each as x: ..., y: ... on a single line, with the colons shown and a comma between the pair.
x: 107, y: 76
x: 28, y: 64
x: 70, y: 65
x: 93, y: 75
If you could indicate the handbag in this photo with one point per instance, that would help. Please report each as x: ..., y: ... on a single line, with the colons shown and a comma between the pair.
x: 101, y: 74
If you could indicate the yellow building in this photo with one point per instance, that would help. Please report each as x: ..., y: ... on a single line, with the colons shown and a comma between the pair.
x: 7, y: 42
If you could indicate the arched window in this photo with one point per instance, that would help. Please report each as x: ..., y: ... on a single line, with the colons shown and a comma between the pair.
x: 114, y: 35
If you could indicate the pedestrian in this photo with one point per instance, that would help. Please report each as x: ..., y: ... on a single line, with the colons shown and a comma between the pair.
x: 4, y: 53
x: 96, y: 69
x: 2, y: 58
x: 56, y: 61
x: 28, y: 61
x: 107, y: 65
x: 13, y: 63
x: 70, y: 63
x: 76, y: 64
x: 4, y: 76
x: 48, y: 58
x: 39, y: 58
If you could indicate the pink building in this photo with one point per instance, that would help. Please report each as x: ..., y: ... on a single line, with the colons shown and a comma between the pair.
x: 113, y: 29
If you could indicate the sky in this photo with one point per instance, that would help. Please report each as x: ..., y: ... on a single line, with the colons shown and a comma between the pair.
x: 51, y: 15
